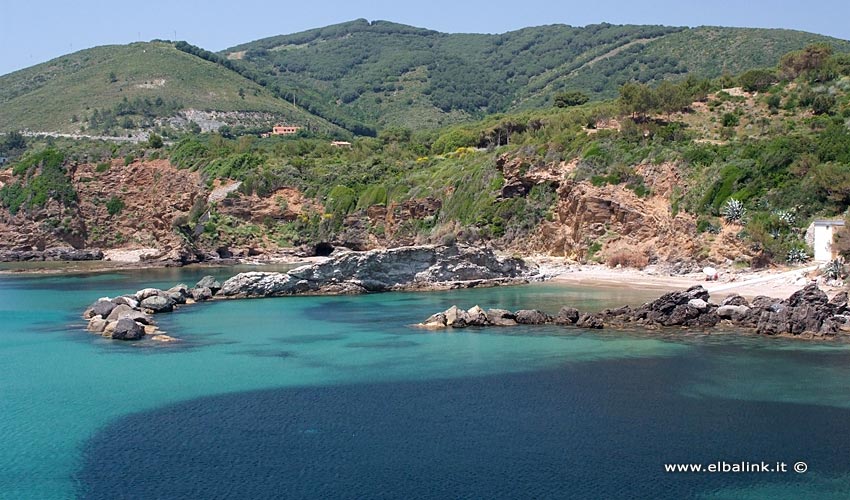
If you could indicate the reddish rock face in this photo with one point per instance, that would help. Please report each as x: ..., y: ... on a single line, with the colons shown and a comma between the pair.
x: 613, y: 216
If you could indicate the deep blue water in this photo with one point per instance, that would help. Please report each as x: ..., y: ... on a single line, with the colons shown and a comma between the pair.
x: 337, y: 397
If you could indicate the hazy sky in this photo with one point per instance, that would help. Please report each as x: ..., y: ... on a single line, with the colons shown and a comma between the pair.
x: 35, y: 31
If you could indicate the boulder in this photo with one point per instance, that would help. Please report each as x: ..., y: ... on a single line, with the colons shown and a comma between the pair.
x: 123, y: 311
x: 127, y: 301
x: 810, y: 294
x: 832, y: 326
x: 209, y: 282
x: 176, y: 297
x: 97, y: 324
x: 110, y: 328
x: 476, y: 316
x: 102, y: 307
x: 773, y: 322
x: 501, y: 317
x: 567, y: 316
x: 127, y: 329
x: 735, y: 300
x: 590, y: 321
x: 201, y: 294
x: 763, y: 302
x: 532, y: 317
x: 147, y: 292
x: 158, y: 304
x: 733, y: 312
x: 839, y: 303
x: 435, y: 321
x: 456, y: 318
x: 699, y: 304
x: 118, y: 311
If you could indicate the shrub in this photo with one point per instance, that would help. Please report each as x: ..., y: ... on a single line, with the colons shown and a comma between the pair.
x: 627, y: 258
x: 115, y: 205
x: 730, y: 120
x: 756, y: 80
x: 102, y: 167
x: 570, y: 98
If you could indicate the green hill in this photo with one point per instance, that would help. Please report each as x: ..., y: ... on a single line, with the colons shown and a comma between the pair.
x: 141, y: 82
x: 381, y: 73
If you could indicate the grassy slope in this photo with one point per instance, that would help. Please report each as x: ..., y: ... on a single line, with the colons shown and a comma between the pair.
x: 46, y: 97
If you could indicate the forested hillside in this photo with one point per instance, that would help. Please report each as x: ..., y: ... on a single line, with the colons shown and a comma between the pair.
x: 361, y: 74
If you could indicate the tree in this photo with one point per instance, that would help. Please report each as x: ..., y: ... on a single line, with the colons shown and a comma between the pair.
x: 671, y: 97
x: 637, y: 99
x: 570, y: 98
x: 757, y: 80
x: 155, y: 141
x: 807, y: 62
x: 112, y: 77
x: 14, y: 142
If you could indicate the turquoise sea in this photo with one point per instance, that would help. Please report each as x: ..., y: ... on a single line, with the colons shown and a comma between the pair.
x: 338, y: 397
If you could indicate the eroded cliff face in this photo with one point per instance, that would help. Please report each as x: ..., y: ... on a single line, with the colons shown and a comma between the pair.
x: 612, y: 221
x: 609, y: 223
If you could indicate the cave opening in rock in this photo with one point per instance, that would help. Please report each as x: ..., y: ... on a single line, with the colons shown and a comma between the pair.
x: 324, y: 249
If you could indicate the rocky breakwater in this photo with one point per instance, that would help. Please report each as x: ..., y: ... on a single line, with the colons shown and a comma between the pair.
x: 808, y: 313
x: 130, y: 317
x: 425, y: 267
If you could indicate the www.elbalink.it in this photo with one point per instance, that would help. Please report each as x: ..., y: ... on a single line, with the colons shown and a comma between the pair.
x: 736, y: 467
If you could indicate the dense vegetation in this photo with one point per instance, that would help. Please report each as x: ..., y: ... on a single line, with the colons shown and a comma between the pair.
x: 763, y: 163
x: 40, y: 177
x: 382, y: 73
x: 364, y: 77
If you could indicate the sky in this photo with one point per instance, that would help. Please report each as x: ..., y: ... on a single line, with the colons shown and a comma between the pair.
x: 32, y: 32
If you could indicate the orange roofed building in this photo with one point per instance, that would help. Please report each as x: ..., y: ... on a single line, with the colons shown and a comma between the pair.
x: 285, y: 129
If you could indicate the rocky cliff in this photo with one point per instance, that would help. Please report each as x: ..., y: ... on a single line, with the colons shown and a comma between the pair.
x: 612, y: 221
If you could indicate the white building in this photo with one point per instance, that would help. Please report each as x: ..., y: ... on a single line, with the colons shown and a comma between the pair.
x: 820, y: 236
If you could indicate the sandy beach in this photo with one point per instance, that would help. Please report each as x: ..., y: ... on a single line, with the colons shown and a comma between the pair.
x: 775, y: 282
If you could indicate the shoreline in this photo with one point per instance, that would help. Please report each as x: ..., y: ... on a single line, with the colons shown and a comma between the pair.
x: 782, y: 281
x: 57, y: 267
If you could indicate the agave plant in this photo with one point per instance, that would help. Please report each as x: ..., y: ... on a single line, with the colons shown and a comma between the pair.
x: 786, y: 216
x: 733, y: 210
x: 834, y: 269
x: 797, y: 256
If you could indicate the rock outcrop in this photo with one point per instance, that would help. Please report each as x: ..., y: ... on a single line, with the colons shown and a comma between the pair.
x: 128, y: 317
x: 406, y: 268
x: 51, y: 254
x: 808, y: 313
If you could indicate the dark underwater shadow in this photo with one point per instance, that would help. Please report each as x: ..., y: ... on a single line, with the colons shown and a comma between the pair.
x: 585, y: 430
